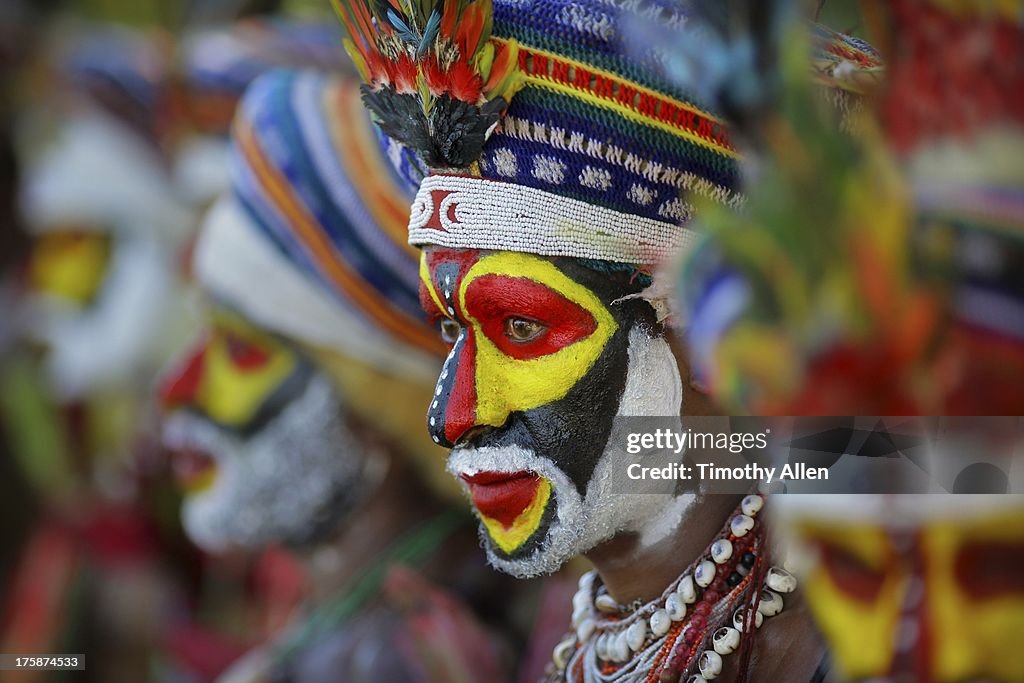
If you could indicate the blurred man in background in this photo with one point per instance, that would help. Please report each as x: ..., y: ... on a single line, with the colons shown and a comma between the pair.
x: 293, y: 421
x: 99, y: 302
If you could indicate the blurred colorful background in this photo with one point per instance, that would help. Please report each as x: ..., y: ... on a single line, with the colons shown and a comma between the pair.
x: 108, y: 316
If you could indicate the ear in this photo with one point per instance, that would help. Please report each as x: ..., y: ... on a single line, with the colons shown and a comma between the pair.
x: 695, y: 401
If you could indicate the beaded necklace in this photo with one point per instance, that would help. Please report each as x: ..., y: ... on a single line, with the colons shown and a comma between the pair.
x: 684, y: 634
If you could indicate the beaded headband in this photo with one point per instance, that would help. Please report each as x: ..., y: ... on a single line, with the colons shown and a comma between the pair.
x: 543, y: 133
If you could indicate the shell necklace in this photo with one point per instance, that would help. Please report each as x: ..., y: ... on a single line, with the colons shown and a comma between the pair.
x: 685, y: 633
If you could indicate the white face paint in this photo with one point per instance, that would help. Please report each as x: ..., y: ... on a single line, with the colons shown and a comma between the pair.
x: 579, y: 524
x: 289, y: 482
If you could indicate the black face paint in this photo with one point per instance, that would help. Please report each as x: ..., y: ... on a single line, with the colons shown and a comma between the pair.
x: 573, y: 432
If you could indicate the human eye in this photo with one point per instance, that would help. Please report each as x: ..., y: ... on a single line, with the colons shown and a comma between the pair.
x: 450, y: 330
x: 523, y: 330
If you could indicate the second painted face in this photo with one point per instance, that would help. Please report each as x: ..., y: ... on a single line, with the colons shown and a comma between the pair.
x: 259, y: 440
x: 544, y: 354
x: 938, y: 600
x: 102, y: 304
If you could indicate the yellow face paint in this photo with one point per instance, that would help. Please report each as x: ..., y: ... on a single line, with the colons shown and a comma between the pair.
x: 231, y: 377
x: 969, y: 607
x: 498, y: 373
x: 70, y: 265
x: 976, y: 584
x: 243, y: 368
x: 529, y: 334
x: 504, y: 383
x: 851, y: 585
x: 522, y: 529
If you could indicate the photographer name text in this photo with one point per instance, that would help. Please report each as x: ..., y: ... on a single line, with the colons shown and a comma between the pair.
x: 711, y: 472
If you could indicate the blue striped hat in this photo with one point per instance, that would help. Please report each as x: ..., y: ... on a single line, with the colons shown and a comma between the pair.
x: 312, y: 179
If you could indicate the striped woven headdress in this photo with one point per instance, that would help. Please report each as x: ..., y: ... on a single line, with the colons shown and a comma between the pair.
x: 311, y: 182
x: 542, y: 132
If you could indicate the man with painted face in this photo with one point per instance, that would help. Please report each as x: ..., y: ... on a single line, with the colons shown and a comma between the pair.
x: 563, y: 169
x: 107, y: 227
x: 287, y: 421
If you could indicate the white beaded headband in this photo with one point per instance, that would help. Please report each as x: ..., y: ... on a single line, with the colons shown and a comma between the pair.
x: 464, y: 212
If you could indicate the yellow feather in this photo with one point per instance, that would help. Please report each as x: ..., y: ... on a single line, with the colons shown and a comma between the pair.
x: 484, y: 59
x: 357, y: 59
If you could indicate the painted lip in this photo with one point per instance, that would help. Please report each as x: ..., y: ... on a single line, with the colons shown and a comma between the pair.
x: 502, y: 496
x: 194, y: 469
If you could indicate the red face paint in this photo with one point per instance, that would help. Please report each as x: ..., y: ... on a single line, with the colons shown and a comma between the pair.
x: 447, y: 268
x: 460, y: 413
x: 851, y: 575
x: 180, y: 386
x: 246, y: 355
x: 991, y: 570
x: 507, y: 310
x: 493, y: 299
x: 502, y: 496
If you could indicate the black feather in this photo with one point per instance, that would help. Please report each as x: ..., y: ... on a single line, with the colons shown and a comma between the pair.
x: 399, y: 116
x: 459, y: 129
x: 453, y: 137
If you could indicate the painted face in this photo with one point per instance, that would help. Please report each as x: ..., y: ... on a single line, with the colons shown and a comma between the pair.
x: 941, y: 602
x: 259, y: 441
x: 543, y: 356
x: 100, y: 304
x: 70, y: 265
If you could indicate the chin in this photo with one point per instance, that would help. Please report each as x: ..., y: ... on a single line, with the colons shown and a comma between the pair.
x: 533, y: 519
x: 293, y: 482
x: 558, y: 540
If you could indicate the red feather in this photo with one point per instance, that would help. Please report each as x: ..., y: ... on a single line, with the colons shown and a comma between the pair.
x: 464, y: 83
x: 470, y: 29
x: 437, y: 80
x: 404, y: 75
x: 449, y: 19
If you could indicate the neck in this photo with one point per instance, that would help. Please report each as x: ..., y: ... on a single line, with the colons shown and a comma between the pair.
x: 632, y: 570
x: 367, y: 531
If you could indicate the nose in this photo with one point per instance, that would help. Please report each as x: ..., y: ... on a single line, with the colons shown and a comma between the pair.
x: 180, y: 386
x: 452, y: 414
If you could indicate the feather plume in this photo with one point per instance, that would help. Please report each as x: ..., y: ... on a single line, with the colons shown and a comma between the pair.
x: 434, y: 79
